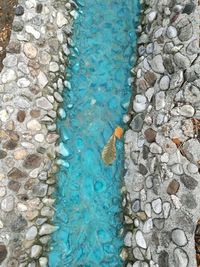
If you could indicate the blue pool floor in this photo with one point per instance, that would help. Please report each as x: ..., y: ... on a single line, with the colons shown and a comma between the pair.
x: 88, y: 201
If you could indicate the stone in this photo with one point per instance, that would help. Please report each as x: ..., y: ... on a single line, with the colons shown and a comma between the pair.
x: 180, y: 258
x: 47, y: 229
x: 152, y: 16
x: 20, y: 154
x: 42, y: 81
x: 8, y: 75
x: 136, y: 205
x: 159, y: 223
x: 177, y: 169
x: 142, y: 169
x: 39, y: 138
x: 43, y: 262
x: 7, y: 204
x: 148, y: 226
x: 137, y: 254
x: 53, y: 67
x: 150, y: 135
x: 188, y: 201
x: 32, y: 161
x: 171, y: 32
x: 43, y: 103
x: 16, y: 174
x: 179, y: 237
x: 173, y: 187
x: 155, y: 148
x: 30, y: 50
x: 187, y: 111
x: 150, y: 77
x: 191, y: 149
x: 14, y: 186
x: 3, y: 252
x: 128, y: 239
x: 2, y: 191
x: 157, y: 205
x: 34, y: 125
x: 163, y: 259
x: 164, y: 82
x: 157, y: 64
x: 30, y: 29
x: 189, y: 182
x: 189, y: 8
x: 31, y: 233
x: 39, y: 8
x: 192, y: 168
x: 40, y: 190
x: 58, y: 97
x: 182, y: 61
x: 21, y: 114
x: 160, y: 100
x: 3, y: 154
x: 139, y: 103
x: 140, y: 239
x: 166, y: 209
x: 18, y: 224
x: 36, y: 251
x: 137, y: 122
x: 23, y: 83
x: 19, y: 10
x: 185, y: 29
x: 61, y: 20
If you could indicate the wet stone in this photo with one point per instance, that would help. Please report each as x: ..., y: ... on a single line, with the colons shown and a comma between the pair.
x: 150, y: 135
x: 3, y: 252
x: 3, y: 154
x: 21, y: 114
x: 189, y: 182
x: 173, y: 187
x: 16, y: 174
x: 32, y: 161
x: 179, y: 237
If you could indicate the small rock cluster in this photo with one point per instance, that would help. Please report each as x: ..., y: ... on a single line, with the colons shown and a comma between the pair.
x: 162, y: 146
x: 31, y: 85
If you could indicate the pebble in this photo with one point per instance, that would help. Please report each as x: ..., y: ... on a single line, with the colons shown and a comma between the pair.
x: 157, y: 205
x: 164, y: 82
x: 128, y: 239
x: 180, y: 258
x: 7, y: 204
x: 166, y: 209
x: 30, y: 50
x: 47, y: 229
x: 43, y: 103
x: 160, y: 100
x: 171, y: 32
x: 30, y: 29
x: 155, y: 148
x: 34, y: 125
x: 31, y: 233
x: 179, y: 237
x: 19, y: 10
x: 187, y: 111
x: 139, y: 103
x: 152, y: 16
x: 140, y: 239
x: 157, y: 64
x: 36, y: 251
x: 39, y: 138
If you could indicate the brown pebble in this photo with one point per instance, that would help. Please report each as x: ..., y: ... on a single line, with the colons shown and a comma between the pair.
x: 3, y: 154
x: 173, y: 187
x: 32, y: 161
x: 35, y: 113
x: 16, y: 174
x: 14, y: 186
x: 10, y: 145
x: 3, y: 252
x: 21, y: 114
x: 150, y: 135
x: 150, y: 77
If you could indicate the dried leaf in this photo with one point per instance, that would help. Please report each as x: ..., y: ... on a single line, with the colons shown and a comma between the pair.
x: 118, y: 132
x: 176, y: 141
x: 109, y: 151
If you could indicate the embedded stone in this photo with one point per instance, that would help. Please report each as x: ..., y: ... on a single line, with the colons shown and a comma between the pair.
x: 39, y: 138
x: 189, y: 201
x: 150, y: 135
x: 16, y: 174
x: 53, y: 67
x: 155, y: 148
x: 19, y: 10
x: 32, y: 161
x: 185, y: 29
x: 140, y: 240
x: 166, y: 209
x: 8, y: 76
x: 29, y: 29
x: 182, y: 61
x: 10, y: 145
x: 189, y: 8
x: 152, y: 16
x: 180, y: 258
x: 139, y: 103
x: 20, y: 153
x: 159, y: 223
x: 163, y: 259
x: 164, y: 82
x: 18, y: 224
x: 157, y: 64
x: 3, y: 154
x: 157, y: 205
x: 42, y: 81
x: 40, y: 190
x: 47, y: 229
x: 189, y: 182
x: 136, y: 205
x: 39, y: 8
x: 160, y: 100
x: 14, y: 186
x: 7, y: 204
x: 3, y: 252
x: 171, y: 32
x: 173, y: 187
x: 30, y: 50
x: 23, y: 83
x: 150, y: 77
x: 179, y: 237
x: 43, y: 103
x: 187, y: 111
x: 137, y: 122
x: 36, y: 250
x: 128, y: 239
x: 61, y: 20
x: 21, y: 114
x: 34, y: 125
x: 31, y: 233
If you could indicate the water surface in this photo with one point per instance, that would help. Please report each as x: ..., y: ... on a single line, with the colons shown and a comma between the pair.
x: 88, y: 193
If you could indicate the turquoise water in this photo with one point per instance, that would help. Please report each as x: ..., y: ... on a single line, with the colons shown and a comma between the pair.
x: 88, y: 193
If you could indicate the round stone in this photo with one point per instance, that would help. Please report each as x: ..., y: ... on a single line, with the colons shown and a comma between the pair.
x: 23, y: 83
x: 19, y: 10
x: 30, y: 50
x: 180, y: 258
x: 53, y: 67
x: 157, y: 205
x: 7, y: 204
x: 39, y: 138
x: 151, y: 16
x: 187, y: 111
x: 21, y: 114
x: 192, y: 168
x: 179, y: 237
x: 20, y: 153
x: 164, y: 83
x: 36, y: 251
x: 171, y: 32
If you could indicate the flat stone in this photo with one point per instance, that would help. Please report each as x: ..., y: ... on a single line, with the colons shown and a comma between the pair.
x: 159, y: 223
x: 16, y: 174
x: 23, y: 83
x: 155, y: 148
x: 21, y: 114
x: 187, y: 111
x: 32, y: 161
x: 188, y: 201
x: 189, y: 8
x: 128, y: 239
x: 152, y: 16
x: 3, y: 252
x: 140, y: 239
x: 3, y: 154
x: 180, y: 258
x: 189, y: 182
x: 166, y: 209
x: 47, y: 229
x: 179, y: 237
x: 182, y: 61
x: 34, y: 125
x: 43, y: 103
x: 18, y: 224
x: 157, y: 64
x: 7, y: 204
x: 39, y: 138
x: 185, y: 29
x: 58, y: 97
x: 53, y: 67
x: 30, y: 50
x: 19, y: 10
x: 177, y: 169
x: 40, y: 190
x: 173, y: 187
x: 191, y: 149
x: 36, y: 251
x: 150, y: 77
x: 42, y: 80
x: 136, y: 205
x: 164, y: 82
x: 157, y: 205
x: 14, y: 186
x: 61, y: 20
x: 142, y: 169
x: 30, y: 29
x: 150, y: 135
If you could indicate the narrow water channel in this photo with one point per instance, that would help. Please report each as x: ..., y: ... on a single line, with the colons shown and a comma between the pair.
x: 88, y: 193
